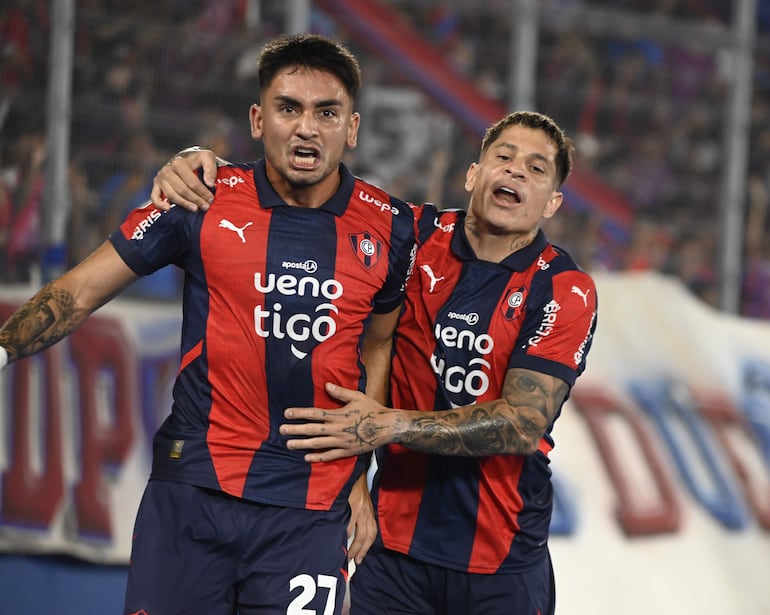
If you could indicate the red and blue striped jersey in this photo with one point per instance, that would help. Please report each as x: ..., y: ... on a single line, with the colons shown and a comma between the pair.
x: 275, y: 304
x: 465, y: 323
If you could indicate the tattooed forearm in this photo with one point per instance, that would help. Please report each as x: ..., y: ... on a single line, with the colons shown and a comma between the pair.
x: 477, y: 431
x: 429, y: 434
x: 511, y: 425
x: 41, y: 322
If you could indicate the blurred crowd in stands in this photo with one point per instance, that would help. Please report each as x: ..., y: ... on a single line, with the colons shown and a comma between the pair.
x: 648, y: 119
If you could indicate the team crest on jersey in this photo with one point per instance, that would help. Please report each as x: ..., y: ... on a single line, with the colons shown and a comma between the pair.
x: 513, y: 306
x: 366, y: 249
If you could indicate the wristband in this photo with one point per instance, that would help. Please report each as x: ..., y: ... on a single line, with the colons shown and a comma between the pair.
x: 3, y: 357
x: 188, y: 150
x: 221, y: 162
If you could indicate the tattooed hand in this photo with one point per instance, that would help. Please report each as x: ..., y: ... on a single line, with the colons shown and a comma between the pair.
x: 359, y: 427
x: 512, y: 425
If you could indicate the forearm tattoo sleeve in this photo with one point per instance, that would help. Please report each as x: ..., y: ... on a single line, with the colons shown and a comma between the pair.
x: 41, y: 322
x: 513, y: 424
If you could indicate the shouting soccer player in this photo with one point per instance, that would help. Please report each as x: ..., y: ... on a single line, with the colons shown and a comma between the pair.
x: 495, y: 331
x: 294, y: 276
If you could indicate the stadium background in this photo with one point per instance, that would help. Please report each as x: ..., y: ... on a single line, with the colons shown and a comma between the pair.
x: 669, y: 104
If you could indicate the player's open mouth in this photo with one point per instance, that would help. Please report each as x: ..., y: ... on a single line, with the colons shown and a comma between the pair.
x: 508, y: 194
x: 304, y: 158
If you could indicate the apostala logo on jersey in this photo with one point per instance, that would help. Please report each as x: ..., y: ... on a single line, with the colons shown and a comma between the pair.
x: 366, y: 249
x: 309, y: 265
x: 305, y: 330
x: 471, y: 376
x: 471, y: 318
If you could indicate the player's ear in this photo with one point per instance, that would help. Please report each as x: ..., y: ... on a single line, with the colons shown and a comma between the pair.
x: 553, y: 204
x: 355, y: 121
x: 470, y: 176
x: 255, y: 121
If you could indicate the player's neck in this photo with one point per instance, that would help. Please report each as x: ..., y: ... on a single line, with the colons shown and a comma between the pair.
x: 311, y: 195
x: 495, y: 247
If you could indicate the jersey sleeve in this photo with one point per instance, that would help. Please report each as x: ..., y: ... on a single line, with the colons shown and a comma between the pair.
x: 426, y: 221
x: 149, y: 239
x: 559, y: 326
x: 402, y: 255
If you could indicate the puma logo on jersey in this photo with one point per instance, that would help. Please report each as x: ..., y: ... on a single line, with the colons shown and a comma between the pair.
x: 582, y: 294
x: 432, y: 276
x: 223, y: 223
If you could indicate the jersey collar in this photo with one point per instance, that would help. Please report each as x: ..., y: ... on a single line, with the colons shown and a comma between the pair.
x: 520, y: 260
x: 269, y: 198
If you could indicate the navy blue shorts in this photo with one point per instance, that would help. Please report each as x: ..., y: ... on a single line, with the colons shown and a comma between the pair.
x: 389, y: 583
x: 200, y: 551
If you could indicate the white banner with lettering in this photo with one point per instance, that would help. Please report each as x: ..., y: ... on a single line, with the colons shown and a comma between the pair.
x: 661, y: 465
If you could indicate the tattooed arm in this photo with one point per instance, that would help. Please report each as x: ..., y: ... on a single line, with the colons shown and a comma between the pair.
x: 513, y: 424
x: 61, y: 306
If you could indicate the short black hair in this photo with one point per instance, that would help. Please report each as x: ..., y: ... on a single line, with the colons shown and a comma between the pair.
x: 537, y: 121
x: 310, y: 51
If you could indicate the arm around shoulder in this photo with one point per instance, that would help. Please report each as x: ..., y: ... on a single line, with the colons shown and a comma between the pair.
x: 178, y: 182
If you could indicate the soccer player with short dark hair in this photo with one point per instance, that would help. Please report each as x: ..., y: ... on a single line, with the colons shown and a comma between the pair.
x: 293, y: 276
